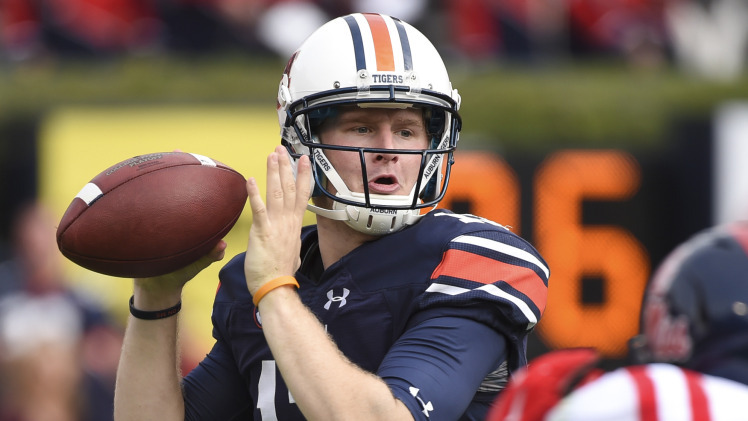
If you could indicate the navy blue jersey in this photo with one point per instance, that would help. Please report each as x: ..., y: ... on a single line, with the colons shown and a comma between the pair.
x: 440, y: 310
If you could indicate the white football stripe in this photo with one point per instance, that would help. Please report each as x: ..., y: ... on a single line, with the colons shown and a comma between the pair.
x: 446, y: 289
x: 204, y: 160
x: 502, y: 248
x: 470, y: 219
x: 89, y: 193
x: 491, y: 289
x: 523, y: 307
x: 397, y: 47
x: 367, y: 39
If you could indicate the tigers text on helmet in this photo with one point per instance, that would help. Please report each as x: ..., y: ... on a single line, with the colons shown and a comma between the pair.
x: 369, y: 61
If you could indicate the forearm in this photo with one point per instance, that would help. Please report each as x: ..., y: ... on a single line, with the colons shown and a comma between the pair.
x: 148, y: 378
x: 323, y: 382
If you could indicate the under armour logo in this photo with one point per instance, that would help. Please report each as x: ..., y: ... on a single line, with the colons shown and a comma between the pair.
x: 340, y: 299
x: 425, y: 405
x: 258, y: 318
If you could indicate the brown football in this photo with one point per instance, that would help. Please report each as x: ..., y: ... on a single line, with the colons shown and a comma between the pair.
x: 151, y: 214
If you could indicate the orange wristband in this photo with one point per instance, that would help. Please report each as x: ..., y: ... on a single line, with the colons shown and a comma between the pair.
x: 271, y: 285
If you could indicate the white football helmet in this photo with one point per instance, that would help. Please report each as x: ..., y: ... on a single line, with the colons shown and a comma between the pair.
x: 376, y: 61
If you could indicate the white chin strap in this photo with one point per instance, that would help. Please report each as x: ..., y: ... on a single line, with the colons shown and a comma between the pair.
x: 372, y: 221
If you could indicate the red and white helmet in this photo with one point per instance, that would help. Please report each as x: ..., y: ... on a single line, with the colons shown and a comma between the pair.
x: 376, y: 61
x: 695, y: 310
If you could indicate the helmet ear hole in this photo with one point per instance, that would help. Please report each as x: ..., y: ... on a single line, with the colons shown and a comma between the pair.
x: 435, y: 121
x: 430, y: 192
x: 318, y: 116
x: 316, y: 190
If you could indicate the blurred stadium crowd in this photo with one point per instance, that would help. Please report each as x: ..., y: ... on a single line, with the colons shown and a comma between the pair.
x: 59, y: 346
x: 59, y: 349
x: 708, y: 37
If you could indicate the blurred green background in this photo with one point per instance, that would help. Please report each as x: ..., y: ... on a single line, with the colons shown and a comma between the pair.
x: 602, y: 103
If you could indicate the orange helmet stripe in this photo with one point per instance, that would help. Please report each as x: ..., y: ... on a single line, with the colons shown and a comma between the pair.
x: 382, y: 42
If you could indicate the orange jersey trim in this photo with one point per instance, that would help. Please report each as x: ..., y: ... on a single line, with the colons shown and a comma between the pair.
x: 472, y: 267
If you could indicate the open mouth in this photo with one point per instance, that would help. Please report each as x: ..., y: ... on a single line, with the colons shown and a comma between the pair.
x: 385, y: 180
x: 384, y: 184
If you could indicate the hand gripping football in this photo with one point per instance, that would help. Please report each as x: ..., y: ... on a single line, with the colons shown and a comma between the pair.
x: 151, y: 214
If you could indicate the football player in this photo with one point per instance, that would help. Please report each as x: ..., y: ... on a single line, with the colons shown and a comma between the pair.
x: 691, y: 358
x: 387, y: 308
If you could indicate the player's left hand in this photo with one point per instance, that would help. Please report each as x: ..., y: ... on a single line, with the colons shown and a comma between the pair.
x: 275, y: 237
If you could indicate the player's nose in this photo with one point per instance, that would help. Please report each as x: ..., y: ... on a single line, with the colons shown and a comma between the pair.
x: 385, y: 140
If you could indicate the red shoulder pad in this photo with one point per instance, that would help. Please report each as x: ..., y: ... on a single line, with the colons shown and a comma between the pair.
x: 535, y: 390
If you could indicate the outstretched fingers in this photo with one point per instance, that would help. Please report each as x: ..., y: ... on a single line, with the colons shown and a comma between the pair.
x: 274, y: 196
x: 303, y: 185
x: 288, y: 193
x: 285, y: 193
x: 259, y: 211
x: 274, y: 238
x: 262, y: 211
x: 287, y: 179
